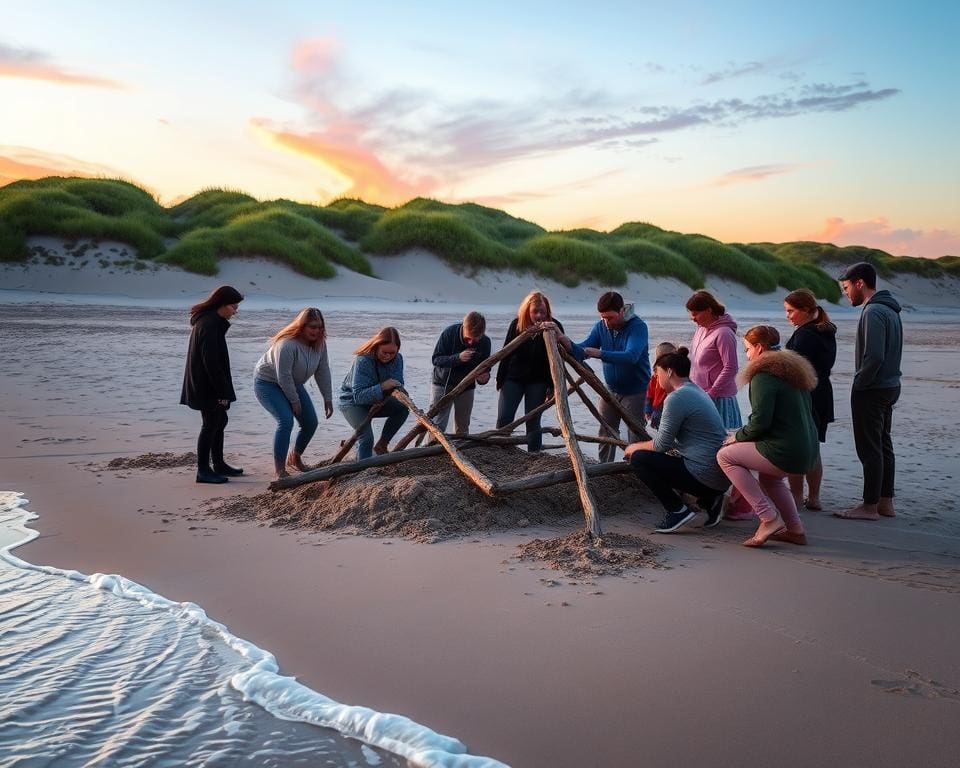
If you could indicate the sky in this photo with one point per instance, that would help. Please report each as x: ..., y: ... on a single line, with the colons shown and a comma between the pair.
x: 744, y: 121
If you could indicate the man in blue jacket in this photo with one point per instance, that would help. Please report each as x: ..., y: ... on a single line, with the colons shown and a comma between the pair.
x: 619, y: 340
x: 460, y: 348
x: 876, y: 388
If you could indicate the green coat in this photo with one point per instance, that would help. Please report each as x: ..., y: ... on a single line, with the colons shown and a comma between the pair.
x: 781, y: 419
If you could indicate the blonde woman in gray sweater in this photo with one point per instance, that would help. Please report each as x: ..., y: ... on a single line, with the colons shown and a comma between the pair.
x: 296, y: 353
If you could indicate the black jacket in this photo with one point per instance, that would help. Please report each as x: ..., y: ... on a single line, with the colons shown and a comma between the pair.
x: 448, y: 370
x: 528, y: 363
x: 206, y: 377
x: 820, y: 348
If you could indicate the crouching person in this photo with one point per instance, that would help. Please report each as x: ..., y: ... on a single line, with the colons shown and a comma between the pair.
x: 459, y: 350
x: 377, y: 370
x: 691, y: 424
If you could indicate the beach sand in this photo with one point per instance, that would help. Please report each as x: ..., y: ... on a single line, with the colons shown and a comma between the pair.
x: 842, y: 652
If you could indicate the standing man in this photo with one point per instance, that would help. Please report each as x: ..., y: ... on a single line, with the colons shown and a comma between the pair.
x: 619, y: 340
x: 460, y: 348
x: 876, y: 387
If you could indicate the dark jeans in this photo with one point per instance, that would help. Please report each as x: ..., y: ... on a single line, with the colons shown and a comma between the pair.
x: 664, y: 475
x: 872, y: 411
x: 533, y: 395
x: 272, y: 398
x: 210, y: 442
x: 393, y: 411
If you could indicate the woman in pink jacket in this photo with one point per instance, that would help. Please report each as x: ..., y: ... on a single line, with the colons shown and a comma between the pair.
x: 713, y: 355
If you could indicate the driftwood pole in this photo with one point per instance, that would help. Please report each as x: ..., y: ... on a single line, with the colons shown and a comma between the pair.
x: 348, y: 444
x: 331, y: 471
x: 475, y: 476
x: 591, y: 378
x: 566, y: 427
x: 560, y: 476
x: 454, y: 393
x: 611, y: 432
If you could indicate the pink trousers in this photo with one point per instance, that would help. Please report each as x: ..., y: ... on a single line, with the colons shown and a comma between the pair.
x: 768, y: 493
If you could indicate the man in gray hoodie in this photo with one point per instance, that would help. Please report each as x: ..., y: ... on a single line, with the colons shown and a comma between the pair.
x: 876, y: 387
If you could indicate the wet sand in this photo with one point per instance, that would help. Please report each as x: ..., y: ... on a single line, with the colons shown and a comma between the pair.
x: 841, y: 651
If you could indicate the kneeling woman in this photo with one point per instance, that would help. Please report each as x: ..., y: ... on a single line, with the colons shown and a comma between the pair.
x: 691, y: 424
x: 377, y: 370
x: 296, y: 353
x: 779, y: 439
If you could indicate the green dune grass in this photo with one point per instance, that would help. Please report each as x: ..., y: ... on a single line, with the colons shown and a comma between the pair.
x: 214, y: 224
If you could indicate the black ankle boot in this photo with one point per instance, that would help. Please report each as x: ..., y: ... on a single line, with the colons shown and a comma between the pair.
x: 209, y: 476
x: 222, y: 468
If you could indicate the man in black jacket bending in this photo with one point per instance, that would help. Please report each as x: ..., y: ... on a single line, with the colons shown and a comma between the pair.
x: 460, y: 348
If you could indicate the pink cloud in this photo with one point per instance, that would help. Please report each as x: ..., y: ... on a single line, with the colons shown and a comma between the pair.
x: 18, y: 163
x: 879, y: 233
x: 752, y: 173
x: 34, y: 65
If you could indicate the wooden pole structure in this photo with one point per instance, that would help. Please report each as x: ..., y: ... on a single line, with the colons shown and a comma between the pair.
x: 331, y: 471
x: 475, y: 476
x: 452, y: 395
x: 566, y: 427
x: 348, y: 444
x: 611, y: 432
x: 560, y: 476
x: 591, y: 378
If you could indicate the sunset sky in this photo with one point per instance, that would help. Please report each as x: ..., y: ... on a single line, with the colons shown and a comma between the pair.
x: 745, y: 121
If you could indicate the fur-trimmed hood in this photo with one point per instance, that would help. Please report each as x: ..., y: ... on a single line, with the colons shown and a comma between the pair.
x: 784, y: 364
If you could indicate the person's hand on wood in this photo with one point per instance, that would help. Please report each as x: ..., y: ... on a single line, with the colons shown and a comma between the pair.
x: 591, y: 352
x: 483, y: 378
x: 389, y: 385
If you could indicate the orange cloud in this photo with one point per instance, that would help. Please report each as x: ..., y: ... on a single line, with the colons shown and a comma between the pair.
x: 341, y: 152
x: 18, y: 163
x: 879, y: 233
x: 35, y: 65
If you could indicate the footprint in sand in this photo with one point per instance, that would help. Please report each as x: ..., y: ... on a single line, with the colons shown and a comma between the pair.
x: 914, y: 684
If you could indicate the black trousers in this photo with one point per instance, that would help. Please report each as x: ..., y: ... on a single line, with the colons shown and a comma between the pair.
x: 872, y: 411
x: 210, y: 442
x: 664, y: 475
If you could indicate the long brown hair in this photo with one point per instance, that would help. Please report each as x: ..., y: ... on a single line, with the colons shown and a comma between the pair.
x: 387, y: 335
x: 294, y: 329
x: 219, y: 297
x: 523, y: 313
x: 804, y: 300
x: 702, y: 300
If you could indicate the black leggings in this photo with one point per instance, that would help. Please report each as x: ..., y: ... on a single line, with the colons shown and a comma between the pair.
x: 664, y: 475
x: 210, y: 442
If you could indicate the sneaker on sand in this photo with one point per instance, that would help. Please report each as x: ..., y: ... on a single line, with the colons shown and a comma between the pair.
x: 714, y: 511
x: 673, y: 521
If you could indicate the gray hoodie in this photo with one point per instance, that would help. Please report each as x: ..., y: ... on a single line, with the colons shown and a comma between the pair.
x: 879, y: 344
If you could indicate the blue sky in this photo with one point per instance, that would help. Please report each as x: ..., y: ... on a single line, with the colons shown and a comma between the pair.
x: 744, y: 121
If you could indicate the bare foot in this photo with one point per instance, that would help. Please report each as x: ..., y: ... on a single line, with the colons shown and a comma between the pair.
x: 812, y: 504
x: 380, y: 448
x: 294, y: 460
x: 861, y: 512
x: 765, y: 531
x: 280, y: 474
x: 791, y: 537
x: 885, y: 508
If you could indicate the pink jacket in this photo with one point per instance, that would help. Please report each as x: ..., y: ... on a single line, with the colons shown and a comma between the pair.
x: 713, y: 358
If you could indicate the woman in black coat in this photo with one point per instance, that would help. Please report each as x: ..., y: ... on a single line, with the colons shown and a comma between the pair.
x: 207, y: 384
x: 816, y: 340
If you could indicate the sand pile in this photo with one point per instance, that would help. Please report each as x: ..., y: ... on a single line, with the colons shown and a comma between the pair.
x: 429, y: 499
x: 576, y: 555
x: 153, y: 461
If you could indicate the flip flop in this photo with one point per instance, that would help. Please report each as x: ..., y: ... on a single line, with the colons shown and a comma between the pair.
x: 758, y: 541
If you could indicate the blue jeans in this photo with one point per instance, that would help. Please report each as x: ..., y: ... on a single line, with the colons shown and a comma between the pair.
x: 272, y: 398
x: 393, y: 411
x: 533, y: 394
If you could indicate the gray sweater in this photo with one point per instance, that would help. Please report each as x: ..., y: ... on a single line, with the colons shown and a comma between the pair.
x: 879, y: 345
x: 691, y: 423
x: 291, y: 362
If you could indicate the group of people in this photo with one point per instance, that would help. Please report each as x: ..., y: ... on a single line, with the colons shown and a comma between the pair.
x: 700, y: 448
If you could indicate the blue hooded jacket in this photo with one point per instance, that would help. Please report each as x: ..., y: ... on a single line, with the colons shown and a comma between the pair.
x: 626, y: 360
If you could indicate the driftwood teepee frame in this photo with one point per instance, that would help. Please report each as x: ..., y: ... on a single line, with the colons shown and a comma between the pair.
x: 455, y: 445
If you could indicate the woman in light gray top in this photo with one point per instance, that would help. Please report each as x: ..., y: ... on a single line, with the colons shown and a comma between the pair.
x: 296, y: 353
